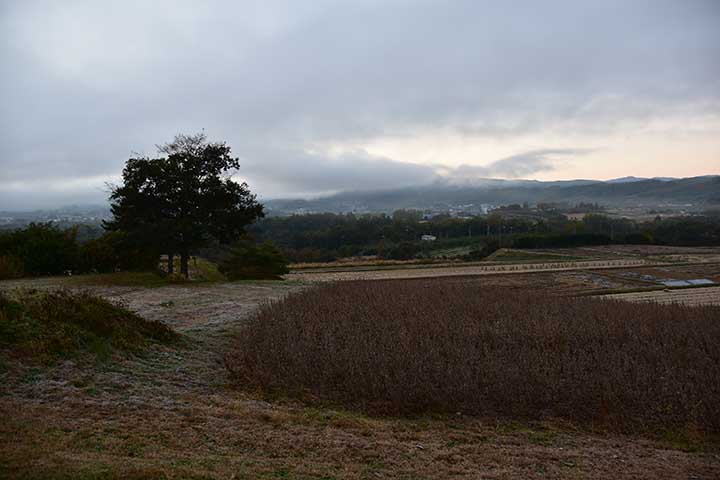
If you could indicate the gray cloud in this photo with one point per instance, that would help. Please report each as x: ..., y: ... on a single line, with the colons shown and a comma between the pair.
x: 360, y: 171
x: 85, y: 83
x: 516, y: 166
x: 303, y: 173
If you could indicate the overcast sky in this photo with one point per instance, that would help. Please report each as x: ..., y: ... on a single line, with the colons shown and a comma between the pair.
x: 320, y: 96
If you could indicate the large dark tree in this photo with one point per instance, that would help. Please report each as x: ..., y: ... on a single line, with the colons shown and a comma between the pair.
x: 185, y: 200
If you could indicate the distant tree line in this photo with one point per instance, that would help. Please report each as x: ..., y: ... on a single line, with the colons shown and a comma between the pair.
x: 327, y: 236
x: 324, y: 237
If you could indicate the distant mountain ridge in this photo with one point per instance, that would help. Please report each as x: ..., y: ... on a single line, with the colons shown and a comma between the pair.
x: 631, y: 179
x: 696, y: 191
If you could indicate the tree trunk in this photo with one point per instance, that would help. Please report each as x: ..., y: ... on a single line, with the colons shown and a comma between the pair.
x: 171, y: 263
x: 184, y: 257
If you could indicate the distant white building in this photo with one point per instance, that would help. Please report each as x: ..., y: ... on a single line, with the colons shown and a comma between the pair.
x: 428, y: 238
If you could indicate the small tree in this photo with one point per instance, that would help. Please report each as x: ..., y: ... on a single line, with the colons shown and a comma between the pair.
x: 184, y: 201
x: 97, y: 255
x: 250, y: 261
x: 482, y: 251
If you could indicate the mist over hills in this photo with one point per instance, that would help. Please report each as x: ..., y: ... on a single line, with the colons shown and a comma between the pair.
x: 694, y: 192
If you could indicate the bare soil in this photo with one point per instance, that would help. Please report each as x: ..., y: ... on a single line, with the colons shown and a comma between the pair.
x: 171, y: 413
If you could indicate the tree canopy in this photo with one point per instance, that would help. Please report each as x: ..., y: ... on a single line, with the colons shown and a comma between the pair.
x: 184, y: 200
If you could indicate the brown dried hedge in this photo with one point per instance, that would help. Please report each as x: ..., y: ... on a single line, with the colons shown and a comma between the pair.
x: 428, y: 345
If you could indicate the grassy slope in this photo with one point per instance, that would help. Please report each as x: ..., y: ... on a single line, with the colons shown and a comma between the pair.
x: 46, y: 326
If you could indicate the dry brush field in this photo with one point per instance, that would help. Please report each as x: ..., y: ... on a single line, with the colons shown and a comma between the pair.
x: 424, y: 345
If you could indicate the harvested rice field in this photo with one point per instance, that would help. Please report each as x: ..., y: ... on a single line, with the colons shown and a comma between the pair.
x: 460, y: 270
x: 690, y: 296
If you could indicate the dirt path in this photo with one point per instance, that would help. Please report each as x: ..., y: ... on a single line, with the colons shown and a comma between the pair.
x: 171, y: 414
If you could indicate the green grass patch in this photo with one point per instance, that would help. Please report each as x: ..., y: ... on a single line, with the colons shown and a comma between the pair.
x: 201, y: 270
x: 522, y: 256
x: 454, y: 252
x: 205, y: 271
x: 689, y: 439
x: 51, y: 325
